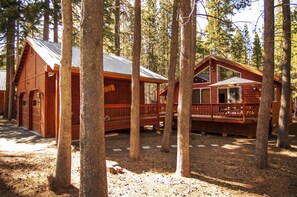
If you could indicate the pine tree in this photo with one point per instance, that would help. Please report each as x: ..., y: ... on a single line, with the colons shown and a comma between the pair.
x: 63, y: 165
x: 278, y: 41
x: 261, y: 151
x: 248, y: 45
x: 238, y: 48
x: 135, y: 89
x: 164, y: 34
x: 284, y: 112
x: 219, y: 29
x: 149, y: 29
x: 257, y: 56
x: 93, y: 178
x: 126, y: 29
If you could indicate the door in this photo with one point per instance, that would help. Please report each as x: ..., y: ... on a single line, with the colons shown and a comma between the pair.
x: 35, y: 111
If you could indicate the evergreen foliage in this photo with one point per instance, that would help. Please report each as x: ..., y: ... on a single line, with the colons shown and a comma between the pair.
x: 238, y: 47
x: 248, y: 45
x: 257, y: 55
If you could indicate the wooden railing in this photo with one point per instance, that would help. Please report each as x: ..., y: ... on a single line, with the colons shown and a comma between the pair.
x: 243, y: 110
x: 238, y: 110
x: 123, y: 111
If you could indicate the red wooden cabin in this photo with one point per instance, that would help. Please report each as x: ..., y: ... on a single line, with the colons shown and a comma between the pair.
x: 227, y: 109
x: 37, y: 80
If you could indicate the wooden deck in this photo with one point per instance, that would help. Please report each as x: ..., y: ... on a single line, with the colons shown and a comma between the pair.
x: 224, y: 118
x: 117, y: 117
x: 205, y: 117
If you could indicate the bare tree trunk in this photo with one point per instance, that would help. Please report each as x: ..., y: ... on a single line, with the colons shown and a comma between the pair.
x: 10, y: 63
x: 267, y: 87
x: 46, y: 20
x: 17, y: 55
x: 135, y: 105
x: 283, y: 121
x: 56, y: 21
x: 171, y: 79
x: 117, y: 28
x: 93, y: 181
x: 63, y: 166
x: 193, y: 48
x: 185, y: 92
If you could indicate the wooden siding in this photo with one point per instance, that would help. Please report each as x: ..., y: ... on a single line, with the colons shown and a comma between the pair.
x: 2, y: 101
x: 31, y: 88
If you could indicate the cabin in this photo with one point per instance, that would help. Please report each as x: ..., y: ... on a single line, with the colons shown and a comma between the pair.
x: 2, y: 90
x: 226, y: 97
x: 37, y: 81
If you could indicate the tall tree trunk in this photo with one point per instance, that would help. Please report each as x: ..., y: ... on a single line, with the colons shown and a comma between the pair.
x: 185, y: 92
x: 193, y: 48
x: 10, y: 63
x: 117, y: 28
x: 56, y: 21
x: 17, y: 55
x: 135, y: 119
x: 46, y: 20
x: 63, y: 167
x: 267, y: 87
x: 93, y: 180
x: 283, y: 121
x: 171, y: 79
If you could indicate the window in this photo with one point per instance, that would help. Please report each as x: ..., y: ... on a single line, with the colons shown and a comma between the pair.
x: 234, y: 95
x: 229, y: 95
x: 196, y: 96
x: 201, y: 96
x: 24, y: 102
x: 225, y: 73
x: 205, y: 96
x: 203, y: 76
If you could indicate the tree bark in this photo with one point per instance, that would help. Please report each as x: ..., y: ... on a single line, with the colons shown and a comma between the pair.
x: 185, y: 92
x: 10, y: 63
x: 117, y: 28
x: 93, y: 180
x: 56, y: 21
x: 171, y: 79
x: 135, y: 105
x: 46, y: 20
x: 283, y: 121
x: 63, y: 166
x: 267, y: 87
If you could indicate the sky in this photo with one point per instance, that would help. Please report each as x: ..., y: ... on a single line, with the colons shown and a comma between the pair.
x: 250, y: 16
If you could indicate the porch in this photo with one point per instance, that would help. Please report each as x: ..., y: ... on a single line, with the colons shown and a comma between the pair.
x: 117, y: 117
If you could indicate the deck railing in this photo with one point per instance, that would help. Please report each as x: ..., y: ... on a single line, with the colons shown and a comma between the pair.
x: 240, y: 110
x: 236, y: 110
x: 123, y: 111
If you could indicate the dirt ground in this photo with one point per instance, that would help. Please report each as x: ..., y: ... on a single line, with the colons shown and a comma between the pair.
x: 220, y: 166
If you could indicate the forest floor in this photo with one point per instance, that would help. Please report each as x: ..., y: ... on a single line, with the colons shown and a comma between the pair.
x: 220, y: 166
